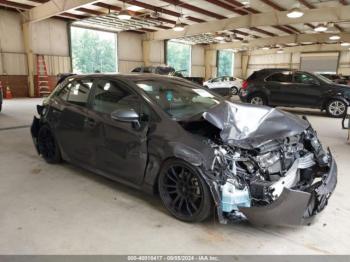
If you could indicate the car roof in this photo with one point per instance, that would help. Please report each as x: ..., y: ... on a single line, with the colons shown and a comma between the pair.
x: 132, y: 76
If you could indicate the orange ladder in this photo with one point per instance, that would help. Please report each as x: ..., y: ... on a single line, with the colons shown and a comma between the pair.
x: 43, y: 86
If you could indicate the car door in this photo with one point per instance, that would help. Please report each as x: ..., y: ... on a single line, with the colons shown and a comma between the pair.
x: 69, y: 119
x: 308, y: 88
x: 215, y: 83
x: 280, y: 88
x: 120, y: 147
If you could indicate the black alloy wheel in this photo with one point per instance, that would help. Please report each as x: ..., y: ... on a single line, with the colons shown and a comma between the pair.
x: 184, y: 192
x: 48, y: 147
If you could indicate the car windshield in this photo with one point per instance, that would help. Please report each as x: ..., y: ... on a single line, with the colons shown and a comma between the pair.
x: 179, y: 100
x: 324, y: 79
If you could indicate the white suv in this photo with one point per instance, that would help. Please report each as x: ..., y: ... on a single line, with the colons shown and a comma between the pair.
x: 224, y: 85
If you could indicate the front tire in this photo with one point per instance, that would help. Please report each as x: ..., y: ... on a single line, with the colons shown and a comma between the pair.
x: 48, y: 146
x: 336, y: 108
x: 184, y: 192
x: 257, y: 99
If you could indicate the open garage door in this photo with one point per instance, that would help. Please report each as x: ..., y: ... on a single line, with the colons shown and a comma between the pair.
x: 320, y: 62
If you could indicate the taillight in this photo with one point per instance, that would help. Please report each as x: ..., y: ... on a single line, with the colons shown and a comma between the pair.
x: 245, y: 84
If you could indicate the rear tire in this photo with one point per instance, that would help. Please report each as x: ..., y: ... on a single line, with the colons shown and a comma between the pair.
x: 184, y: 192
x: 48, y: 146
x: 257, y: 99
x: 336, y: 108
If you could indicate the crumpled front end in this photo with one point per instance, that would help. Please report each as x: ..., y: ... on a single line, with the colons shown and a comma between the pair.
x: 281, y: 178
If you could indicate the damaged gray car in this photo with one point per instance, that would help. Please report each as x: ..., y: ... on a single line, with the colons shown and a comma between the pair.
x: 200, y: 153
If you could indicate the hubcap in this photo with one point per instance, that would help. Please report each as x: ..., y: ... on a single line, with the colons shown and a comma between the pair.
x: 337, y: 108
x: 256, y: 100
x: 182, y: 191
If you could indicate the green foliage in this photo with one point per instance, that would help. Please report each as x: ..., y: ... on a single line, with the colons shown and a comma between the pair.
x: 179, y: 56
x: 93, y: 50
x: 225, y: 63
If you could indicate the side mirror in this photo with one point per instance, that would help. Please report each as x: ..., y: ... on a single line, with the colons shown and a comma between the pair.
x: 125, y: 115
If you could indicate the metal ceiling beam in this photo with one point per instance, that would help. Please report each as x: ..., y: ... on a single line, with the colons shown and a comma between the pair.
x: 249, y: 10
x: 276, y: 18
x: 212, y: 14
x: 282, y: 40
x: 53, y: 8
x: 311, y: 6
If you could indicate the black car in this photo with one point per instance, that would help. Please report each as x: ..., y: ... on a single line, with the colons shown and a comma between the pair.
x: 171, y: 137
x: 283, y: 87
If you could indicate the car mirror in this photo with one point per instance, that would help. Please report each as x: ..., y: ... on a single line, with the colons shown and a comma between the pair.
x: 125, y: 115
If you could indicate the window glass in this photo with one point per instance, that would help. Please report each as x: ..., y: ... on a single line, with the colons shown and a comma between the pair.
x: 110, y: 96
x: 79, y: 91
x: 63, y: 93
x: 179, y: 100
x: 216, y: 80
x: 283, y: 77
x: 303, y: 78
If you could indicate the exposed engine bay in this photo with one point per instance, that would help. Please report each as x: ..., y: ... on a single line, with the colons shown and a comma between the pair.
x: 247, y: 177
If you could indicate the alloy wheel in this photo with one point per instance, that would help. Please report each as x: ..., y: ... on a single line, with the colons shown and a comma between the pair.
x: 337, y: 108
x: 257, y: 100
x: 182, y: 191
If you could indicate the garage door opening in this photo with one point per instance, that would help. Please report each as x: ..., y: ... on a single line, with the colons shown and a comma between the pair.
x: 93, y: 51
x: 225, y: 60
x: 178, y: 55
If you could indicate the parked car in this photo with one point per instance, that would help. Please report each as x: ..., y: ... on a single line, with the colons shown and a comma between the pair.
x: 1, y: 95
x: 169, y: 136
x: 167, y: 70
x: 282, y: 87
x: 224, y: 85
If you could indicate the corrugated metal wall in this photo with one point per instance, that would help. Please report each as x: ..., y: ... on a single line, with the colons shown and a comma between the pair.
x: 198, y: 61
x: 129, y: 51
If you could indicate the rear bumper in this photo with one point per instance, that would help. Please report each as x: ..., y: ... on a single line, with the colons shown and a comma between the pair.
x: 295, y: 207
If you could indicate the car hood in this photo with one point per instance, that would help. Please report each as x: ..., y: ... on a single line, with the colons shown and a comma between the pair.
x: 248, y: 126
x: 340, y: 87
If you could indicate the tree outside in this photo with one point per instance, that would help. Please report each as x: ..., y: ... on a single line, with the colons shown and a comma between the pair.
x: 93, y: 51
x: 225, y: 63
x: 179, y: 56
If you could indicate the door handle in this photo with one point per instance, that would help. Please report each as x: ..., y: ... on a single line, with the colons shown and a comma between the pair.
x: 89, y: 122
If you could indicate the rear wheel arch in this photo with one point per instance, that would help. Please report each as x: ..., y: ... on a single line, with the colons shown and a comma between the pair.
x: 258, y: 93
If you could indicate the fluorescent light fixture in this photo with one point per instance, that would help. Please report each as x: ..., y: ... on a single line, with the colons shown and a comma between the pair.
x: 245, y: 2
x: 178, y: 26
x: 295, y: 13
x: 280, y: 51
x: 135, y: 8
x: 124, y: 15
x: 265, y: 48
x: 321, y: 28
x: 345, y: 44
x: 334, y: 37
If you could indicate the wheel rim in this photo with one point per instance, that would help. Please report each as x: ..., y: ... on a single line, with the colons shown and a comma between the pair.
x: 337, y: 108
x: 47, y: 146
x: 257, y: 100
x: 182, y: 191
x: 234, y: 91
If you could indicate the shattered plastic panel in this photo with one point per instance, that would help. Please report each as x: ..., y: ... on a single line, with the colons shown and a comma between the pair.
x: 248, y: 126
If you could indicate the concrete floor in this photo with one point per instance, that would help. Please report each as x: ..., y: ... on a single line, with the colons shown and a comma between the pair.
x: 61, y: 209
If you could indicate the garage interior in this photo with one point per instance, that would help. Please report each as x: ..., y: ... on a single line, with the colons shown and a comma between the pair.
x: 63, y: 209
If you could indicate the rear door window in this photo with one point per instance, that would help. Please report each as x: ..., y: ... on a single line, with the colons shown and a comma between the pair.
x: 281, y: 77
x: 79, y: 91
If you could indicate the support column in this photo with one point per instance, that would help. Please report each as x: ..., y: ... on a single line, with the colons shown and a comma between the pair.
x: 146, y: 52
x: 245, y: 63
x: 210, y: 63
x: 27, y: 36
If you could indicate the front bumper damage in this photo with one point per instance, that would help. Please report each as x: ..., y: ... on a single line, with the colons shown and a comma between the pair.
x: 293, y: 207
